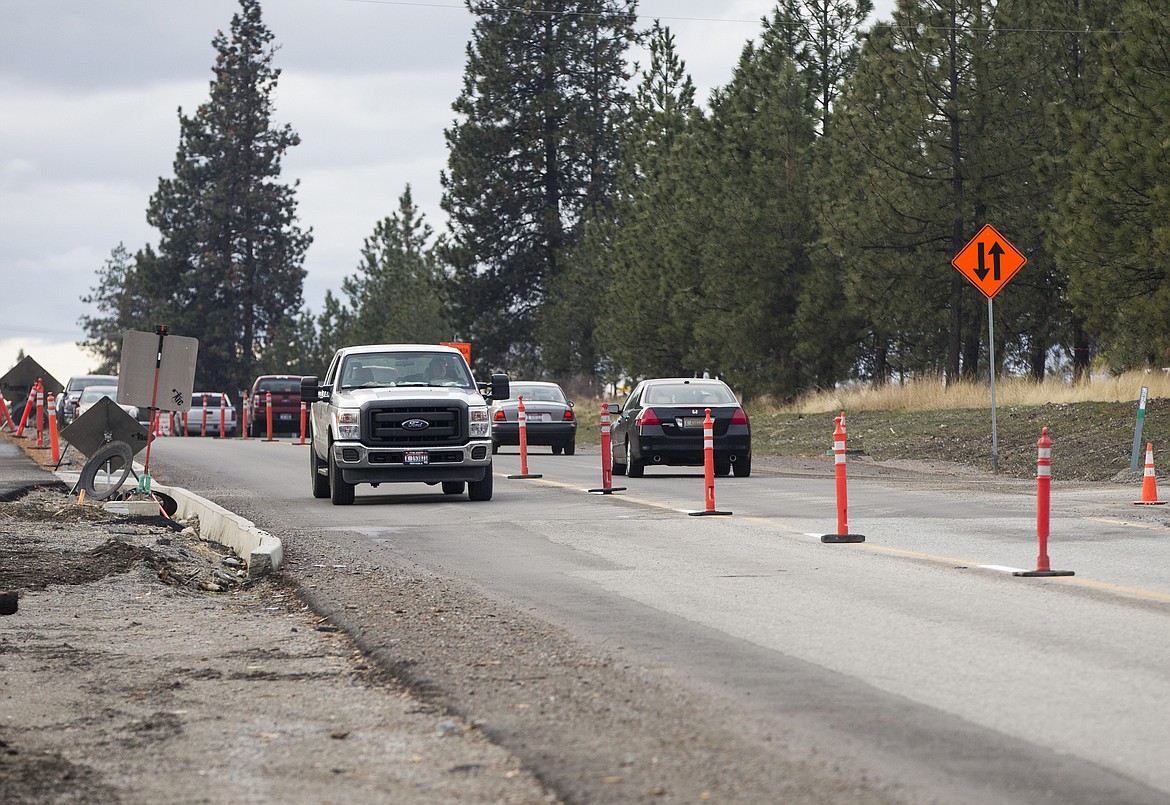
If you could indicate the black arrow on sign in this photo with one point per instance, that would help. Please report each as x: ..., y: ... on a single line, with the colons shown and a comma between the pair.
x: 981, y: 272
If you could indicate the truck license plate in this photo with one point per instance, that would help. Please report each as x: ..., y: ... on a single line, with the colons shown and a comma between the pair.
x: 285, y: 416
x: 418, y: 457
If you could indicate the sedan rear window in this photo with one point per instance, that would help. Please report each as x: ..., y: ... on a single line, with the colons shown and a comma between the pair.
x: 689, y: 394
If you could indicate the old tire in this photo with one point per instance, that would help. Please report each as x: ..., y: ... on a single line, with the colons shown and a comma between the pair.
x: 340, y: 492
x: 481, y: 490
x: 107, y: 470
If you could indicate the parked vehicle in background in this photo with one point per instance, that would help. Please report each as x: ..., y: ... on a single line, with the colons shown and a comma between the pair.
x: 548, y: 414
x: 661, y: 422
x: 66, y: 404
x: 286, y: 404
x: 399, y: 413
x: 94, y: 394
x: 205, y: 408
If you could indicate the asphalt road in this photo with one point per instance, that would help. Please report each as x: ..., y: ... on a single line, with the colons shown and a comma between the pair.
x: 915, y: 659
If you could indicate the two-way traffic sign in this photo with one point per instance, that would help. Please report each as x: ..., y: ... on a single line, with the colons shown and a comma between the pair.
x: 989, y: 261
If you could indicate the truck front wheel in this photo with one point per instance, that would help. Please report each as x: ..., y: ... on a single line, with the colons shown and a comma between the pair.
x: 340, y: 492
x: 320, y: 481
x: 481, y: 490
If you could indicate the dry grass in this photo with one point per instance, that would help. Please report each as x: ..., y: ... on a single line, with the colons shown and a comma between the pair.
x: 934, y: 395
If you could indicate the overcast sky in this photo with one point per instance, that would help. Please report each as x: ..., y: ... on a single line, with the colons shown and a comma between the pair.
x: 90, y: 92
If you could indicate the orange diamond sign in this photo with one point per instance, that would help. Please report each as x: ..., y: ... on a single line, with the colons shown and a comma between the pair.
x: 989, y: 261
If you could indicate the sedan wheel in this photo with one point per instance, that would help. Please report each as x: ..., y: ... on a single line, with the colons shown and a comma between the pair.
x: 635, y: 467
x: 570, y: 448
x: 743, y: 467
x: 615, y: 466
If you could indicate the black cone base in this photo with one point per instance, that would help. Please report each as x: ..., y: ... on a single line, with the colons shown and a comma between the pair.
x: 841, y: 538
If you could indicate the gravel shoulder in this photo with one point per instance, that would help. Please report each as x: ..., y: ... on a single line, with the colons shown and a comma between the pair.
x: 125, y: 682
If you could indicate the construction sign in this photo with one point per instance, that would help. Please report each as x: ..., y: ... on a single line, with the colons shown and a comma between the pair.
x: 462, y: 346
x: 989, y: 261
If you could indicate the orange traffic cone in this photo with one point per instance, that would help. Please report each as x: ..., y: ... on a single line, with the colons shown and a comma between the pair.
x: 1149, y: 482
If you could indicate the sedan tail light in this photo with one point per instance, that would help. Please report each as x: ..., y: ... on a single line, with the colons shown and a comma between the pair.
x: 647, y: 417
x: 568, y: 414
x: 739, y: 417
x: 499, y: 416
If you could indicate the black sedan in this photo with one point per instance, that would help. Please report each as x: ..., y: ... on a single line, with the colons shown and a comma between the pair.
x: 661, y: 422
x: 548, y: 417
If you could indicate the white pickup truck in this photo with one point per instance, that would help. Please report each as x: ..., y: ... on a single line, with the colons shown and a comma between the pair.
x: 395, y: 413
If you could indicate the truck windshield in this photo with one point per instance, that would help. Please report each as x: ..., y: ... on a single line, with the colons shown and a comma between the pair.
x: 389, y: 369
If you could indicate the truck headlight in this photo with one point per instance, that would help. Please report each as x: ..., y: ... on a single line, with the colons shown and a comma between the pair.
x: 349, y: 423
x: 481, y: 424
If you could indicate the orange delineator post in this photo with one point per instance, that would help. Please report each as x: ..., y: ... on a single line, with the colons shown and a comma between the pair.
x: 222, y: 416
x: 268, y: 413
x: 304, y: 411
x: 522, y: 422
x: 28, y: 407
x: 7, y: 421
x: 203, y: 421
x: 1149, y: 481
x: 54, y: 442
x: 708, y: 467
x: 839, y: 456
x: 244, y: 417
x: 607, y: 486
x: 40, y: 414
x: 1043, y: 493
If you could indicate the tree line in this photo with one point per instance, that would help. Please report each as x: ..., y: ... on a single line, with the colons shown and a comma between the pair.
x: 793, y: 232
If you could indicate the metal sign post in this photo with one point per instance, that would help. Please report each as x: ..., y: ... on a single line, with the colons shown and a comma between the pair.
x: 151, y: 361
x: 991, y: 371
x: 989, y: 262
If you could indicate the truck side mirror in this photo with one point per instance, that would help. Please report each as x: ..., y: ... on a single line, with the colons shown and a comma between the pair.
x: 501, y: 387
x: 310, y: 389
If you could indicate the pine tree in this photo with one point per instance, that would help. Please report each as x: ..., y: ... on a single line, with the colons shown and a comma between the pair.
x: 229, y: 266
x: 532, y: 151
x: 931, y: 143
x: 651, y: 237
x: 399, y: 293
x: 116, y: 310
x: 1112, y: 230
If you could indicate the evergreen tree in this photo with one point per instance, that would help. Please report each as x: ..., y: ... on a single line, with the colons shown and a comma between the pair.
x: 1112, y: 231
x: 932, y: 143
x: 399, y: 293
x: 532, y: 151
x: 651, y: 236
x: 116, y: 311
x: 228, y: 270
x: 757, y: 152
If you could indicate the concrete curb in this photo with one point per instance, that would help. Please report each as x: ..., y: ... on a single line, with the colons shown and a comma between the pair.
x: 264, y: 552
